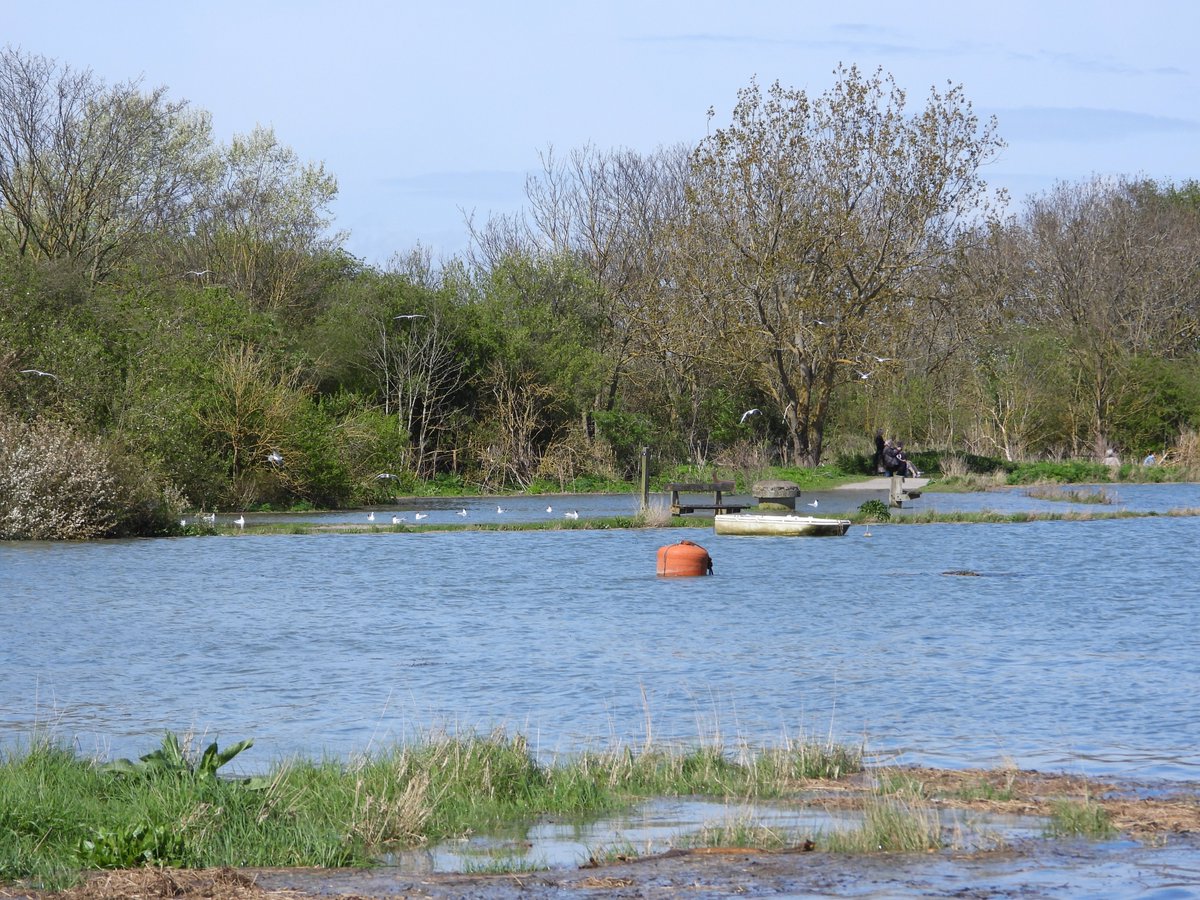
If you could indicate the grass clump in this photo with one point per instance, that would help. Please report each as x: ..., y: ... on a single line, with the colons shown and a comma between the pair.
x: 1079, y: 818
x: 890, y: 825
x: 743, y: 833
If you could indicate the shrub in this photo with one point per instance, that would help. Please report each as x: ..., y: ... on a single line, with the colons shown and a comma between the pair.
x: 57, y: 484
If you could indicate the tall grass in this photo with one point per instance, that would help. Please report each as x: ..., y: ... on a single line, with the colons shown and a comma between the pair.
x: 60, y: 814
x: 1079, y: 818
x: 892, y: 825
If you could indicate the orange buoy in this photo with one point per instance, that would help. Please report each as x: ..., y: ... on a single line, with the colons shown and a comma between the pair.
x: 684, y: 558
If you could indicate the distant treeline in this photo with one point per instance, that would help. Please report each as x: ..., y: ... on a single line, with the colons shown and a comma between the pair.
x: 180, y: 325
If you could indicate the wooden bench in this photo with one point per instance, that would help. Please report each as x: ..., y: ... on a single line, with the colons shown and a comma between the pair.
x: 716, y: 488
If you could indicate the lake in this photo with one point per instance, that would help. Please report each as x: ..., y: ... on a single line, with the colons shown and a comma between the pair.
x: 1076, y: 647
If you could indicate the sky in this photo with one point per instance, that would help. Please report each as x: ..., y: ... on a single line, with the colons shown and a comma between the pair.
x: 429, y: 113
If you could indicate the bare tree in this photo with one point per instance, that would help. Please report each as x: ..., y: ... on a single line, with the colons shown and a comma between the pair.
x: 815, y: 219
x: 420, y: 373
x: 88, y: 171
x: 609, y: 212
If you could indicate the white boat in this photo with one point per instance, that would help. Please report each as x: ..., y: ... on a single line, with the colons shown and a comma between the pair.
x: 787, y: 525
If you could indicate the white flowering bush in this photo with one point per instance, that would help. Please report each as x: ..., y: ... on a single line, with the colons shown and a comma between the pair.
x: 56, y: 484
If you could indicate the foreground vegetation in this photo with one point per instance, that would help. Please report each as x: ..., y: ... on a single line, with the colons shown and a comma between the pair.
x: 61, y: 815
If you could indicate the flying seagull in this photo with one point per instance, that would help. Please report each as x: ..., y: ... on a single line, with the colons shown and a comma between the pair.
x: 881, y: 359
x: 39, y: 373
x: 275, y: 458
x: 748, y: 413
x: 197, y: 273
x: 387, y: 475
x: 410, y: 316
x: 863, y: 375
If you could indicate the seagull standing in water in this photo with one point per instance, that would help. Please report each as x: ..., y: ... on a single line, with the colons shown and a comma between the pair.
x: 463, y: 512
x: 815, y: 503
x: 240, y: 522
x: 370, y: 517
x: 573, y: 514
x: 420, y: 516
x: 500, y: 510
x: 549, y: 509
x: 396, y: 520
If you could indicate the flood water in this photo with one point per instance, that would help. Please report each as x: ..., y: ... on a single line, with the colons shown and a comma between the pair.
x: 1075, y: 647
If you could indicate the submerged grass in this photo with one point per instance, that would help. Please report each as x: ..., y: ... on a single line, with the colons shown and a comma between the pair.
x: 1069, y: 495
x: 60, y: 814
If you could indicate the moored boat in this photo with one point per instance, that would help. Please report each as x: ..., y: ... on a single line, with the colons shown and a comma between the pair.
x: 778, y: 525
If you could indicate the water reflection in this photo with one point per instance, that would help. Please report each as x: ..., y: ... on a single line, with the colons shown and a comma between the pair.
x: 1074, y: 649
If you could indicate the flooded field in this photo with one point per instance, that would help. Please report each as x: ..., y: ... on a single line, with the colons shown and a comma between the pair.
x: 1073, y: 650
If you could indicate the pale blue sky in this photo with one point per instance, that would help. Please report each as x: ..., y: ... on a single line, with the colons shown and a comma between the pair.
x: 426, y: 110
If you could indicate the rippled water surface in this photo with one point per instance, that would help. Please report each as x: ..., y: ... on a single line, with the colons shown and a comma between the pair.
x: 1075, y: 647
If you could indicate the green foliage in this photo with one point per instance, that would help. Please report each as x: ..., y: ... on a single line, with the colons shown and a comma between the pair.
x: 632, y: 316
x: 1159, y: 399
x: 133, y: 846
x: 806, y: 761
x: 627, y: 434
x: 875, y: 511
x: 170, y: 759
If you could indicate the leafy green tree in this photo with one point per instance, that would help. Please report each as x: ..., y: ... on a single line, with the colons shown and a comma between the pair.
x: 1114, y: 272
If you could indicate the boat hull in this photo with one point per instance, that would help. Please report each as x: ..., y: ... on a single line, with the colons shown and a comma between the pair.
x: 780, y: 526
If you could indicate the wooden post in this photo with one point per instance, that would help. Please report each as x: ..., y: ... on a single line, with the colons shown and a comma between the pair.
x: 896, y: 492
x: 645, y: 478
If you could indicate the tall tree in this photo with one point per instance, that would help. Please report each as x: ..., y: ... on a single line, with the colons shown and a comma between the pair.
x: 88, y: 171
x: 263, y: 217
x: 815, y: 219
x: 1112, y: 267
